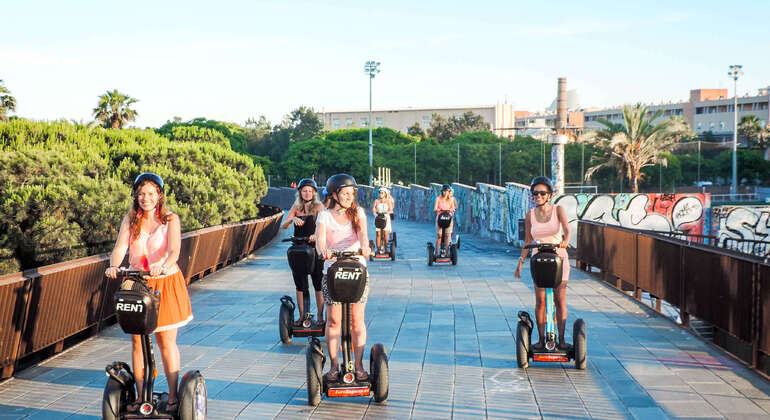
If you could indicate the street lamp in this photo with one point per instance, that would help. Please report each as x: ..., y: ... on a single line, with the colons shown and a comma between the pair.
x: 735, y: 72
x: 371, y: 69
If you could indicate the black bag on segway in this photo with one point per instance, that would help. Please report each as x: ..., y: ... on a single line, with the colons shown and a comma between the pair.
x: 546, y: 268
x: 444, y: 219
x: 301, y: 258
x: 136, y: 307
x: 380, y: 222
x: 346, y: 280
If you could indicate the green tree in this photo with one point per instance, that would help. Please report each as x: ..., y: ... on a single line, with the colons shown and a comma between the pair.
x: 443, y: 129
x: 114, y: 110
x: 416, y: 130
x: 637, y: 143
x: 7, y: 102
x: 750, y: 127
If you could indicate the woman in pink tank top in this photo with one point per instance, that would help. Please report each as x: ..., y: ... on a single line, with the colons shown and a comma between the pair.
x: 547, y: 223
x: 152, y: 236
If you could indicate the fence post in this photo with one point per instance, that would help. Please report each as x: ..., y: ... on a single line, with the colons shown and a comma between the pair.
x: 682, y: 290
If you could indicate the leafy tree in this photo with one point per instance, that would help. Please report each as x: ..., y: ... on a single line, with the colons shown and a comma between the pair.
x: 443, y: 129
x: 7, y: 102
x: 114, y: 110
x: 416, y: 130
x: 636, y: 144
x: 750, y: 127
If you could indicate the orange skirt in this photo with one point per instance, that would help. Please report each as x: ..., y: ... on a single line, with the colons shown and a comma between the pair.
x: 175, y: 310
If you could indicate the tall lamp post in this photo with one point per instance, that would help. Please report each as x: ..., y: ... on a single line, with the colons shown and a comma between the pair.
x: 371, y: 69
x: 735, y: 72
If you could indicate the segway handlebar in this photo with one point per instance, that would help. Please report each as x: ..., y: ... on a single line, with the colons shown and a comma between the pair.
x: 297, y: 239
x: 342, y: 255
x: 542, y: 247
x: 125, y: 272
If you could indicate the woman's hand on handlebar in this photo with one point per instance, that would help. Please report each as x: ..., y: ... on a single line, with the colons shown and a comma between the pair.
x: 156, y: 269
x: 111, y: 272
x: 563, y: 244
x: 298, y: 221
x: 311, y: 238
x: 365, y: 250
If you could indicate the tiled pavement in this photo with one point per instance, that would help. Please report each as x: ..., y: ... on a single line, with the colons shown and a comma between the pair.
x: 449, y: 333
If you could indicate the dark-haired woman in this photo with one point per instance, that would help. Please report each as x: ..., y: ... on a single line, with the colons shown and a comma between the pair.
x: 547, y: 223
x: 342, y: 227
x: 152, y: 236
x: 303, y: 216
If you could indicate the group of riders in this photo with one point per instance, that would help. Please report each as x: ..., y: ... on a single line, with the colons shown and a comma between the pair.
x: 333, y: 221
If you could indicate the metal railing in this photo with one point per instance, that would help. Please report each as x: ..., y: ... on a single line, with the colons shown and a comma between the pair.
x: 720, y: 198
x: 42, y: 307
x: 725, y: 288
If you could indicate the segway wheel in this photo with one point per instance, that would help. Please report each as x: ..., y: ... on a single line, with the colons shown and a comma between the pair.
x: 393, y: 237
x: 453, y: 253
x: 522, y: 345
x: 579, y: 344
x: 314, y: 364
x: 430, y: 254
x: 284, y: 323
x: 458, y: 241
x: 373, y: 249
x: 378, y: 366
x: 193, y: 398
x: 115, y: 399
x: 392, y: 251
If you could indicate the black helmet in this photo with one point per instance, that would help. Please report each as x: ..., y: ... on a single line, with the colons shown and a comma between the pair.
x: 304, y: 182
x: 148, y: 176
x: 446, y: 187
x: 337, y: 181
x: 541, y: 180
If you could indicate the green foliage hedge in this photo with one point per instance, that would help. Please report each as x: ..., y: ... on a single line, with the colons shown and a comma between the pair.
x: 64, y: 189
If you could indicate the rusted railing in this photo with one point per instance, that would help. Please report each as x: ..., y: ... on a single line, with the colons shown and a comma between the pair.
x: 42, y: 307
x: 728, y: 289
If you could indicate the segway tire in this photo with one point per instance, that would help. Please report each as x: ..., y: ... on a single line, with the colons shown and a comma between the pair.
x: 392, y: 251
x: 193, y: 398
x: 579, y: 344
x: 453, y: 253
x: 430, y: 254
x: 522, y: 345
x: 372, y: 250
x: 114, y: 399
x: 378, y: 367
x: 458, y: 241
x: 393, y: 237
x: 314, y: 365
x: 284, y: 323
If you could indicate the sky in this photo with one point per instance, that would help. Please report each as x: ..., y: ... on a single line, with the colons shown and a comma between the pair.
x: 234, y: 60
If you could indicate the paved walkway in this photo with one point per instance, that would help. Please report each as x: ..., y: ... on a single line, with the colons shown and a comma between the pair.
x: 449, y: 333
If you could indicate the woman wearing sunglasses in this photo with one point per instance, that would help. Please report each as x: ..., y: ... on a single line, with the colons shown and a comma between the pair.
x: 547, y: 223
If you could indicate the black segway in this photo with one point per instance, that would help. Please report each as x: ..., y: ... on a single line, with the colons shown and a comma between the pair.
x: 136, y: 307
x: 445, y: 254
x: 301, y: 256
x: 346, y: 280
x: 388, y: 251
x: 546, y: 269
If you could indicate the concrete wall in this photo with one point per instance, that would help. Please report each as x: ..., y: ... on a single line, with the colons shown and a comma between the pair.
x: 741, y: 222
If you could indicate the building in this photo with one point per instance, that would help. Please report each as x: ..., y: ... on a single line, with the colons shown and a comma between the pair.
x: 707, y: 110
x: 500, y: 117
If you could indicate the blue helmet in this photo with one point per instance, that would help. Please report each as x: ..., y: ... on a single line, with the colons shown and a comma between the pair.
x: 148, y: 176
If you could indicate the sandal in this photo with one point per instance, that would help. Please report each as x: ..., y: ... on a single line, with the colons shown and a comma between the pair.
x: 361, y: 375
x: 565, y: 346
x: 134, y: 406
x: 172, y: 407
x: 332, y: 375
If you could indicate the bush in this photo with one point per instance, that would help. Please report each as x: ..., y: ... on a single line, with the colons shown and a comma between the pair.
x: 64, y: 189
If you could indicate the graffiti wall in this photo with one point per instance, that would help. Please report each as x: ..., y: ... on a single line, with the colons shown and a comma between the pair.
x: 745, y: 222
x: 401, y: 201
x: 420, y: 208
x: 366, y: 197
x: 662, y: 212
x: 519, y: 203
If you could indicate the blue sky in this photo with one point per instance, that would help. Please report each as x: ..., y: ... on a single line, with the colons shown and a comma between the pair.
x: 236, y: 60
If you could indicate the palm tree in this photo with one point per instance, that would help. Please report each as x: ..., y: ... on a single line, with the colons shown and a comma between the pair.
x: 637, y: 143
x: 114, y: 109
x: 751, y: 128
x: 7, y: 102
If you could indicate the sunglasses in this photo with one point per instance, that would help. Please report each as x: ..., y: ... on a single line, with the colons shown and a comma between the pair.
x: 541, y: 193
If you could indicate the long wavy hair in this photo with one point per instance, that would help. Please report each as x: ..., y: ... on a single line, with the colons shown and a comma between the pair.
x: 299, y: 203
x: 351, y: 212
x: 135, y: 214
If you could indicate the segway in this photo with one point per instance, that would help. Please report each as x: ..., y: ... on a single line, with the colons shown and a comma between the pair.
x: 346, y: 280
x: 136, y: 307
x: 445, y: 254
x: 546, y: 268
x: 301, y: 258
x: 385, y: 252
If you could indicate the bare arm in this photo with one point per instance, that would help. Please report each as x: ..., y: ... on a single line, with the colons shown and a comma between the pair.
x: 363, y: 236
x: 289, y: 219
x: 121, y: 246
x: 562, y: 214
x: 320, y: 239
x: 527, y: 241
x: 174, y: 241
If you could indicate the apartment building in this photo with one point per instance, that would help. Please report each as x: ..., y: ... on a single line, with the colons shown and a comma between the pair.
x: 500, y: 117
